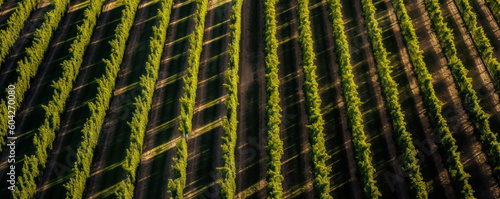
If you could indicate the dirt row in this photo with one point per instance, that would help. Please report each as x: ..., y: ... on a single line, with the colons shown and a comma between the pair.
x: 418, y: 123
x: 296, y: 159
x: 344, y: 182
x: 30, y: 114
x: 453, y: 108
x: 17, y: 52
x: 488, y: 22
x: 162, y: 133
x: 62, y: 157
x: 6, y: 10
x: 106, y: 172
x: 250, y: 153
x: 204, y: 143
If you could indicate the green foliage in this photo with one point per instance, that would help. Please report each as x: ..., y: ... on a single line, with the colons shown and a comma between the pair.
x: 274, y: 146
x: 494, y: 6
x: 100, y: 104
x: 390, y: 93
x: 176, y: 186
x: 230, y: 121
x: 45, y: 134
x: 464, y: 86
x: 15, y: 24
x: 349, y: 88
x: 143, y: 102
x: 28, y: 66
x: 482, y: 42
x: 433, y: 104
x: 319, y: 156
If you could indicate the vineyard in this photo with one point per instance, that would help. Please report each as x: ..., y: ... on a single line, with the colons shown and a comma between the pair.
x: 249, y: 99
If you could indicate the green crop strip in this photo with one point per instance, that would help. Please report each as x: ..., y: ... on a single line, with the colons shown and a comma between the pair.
x: 45, y: 134
x: 349, y: 88
x: 27, y: 68
x: 494, y: 6
x: 464, y: 86
x: 274, y: 146
x: 433, y: 104
x: 176, y: 186
x: 143, y: 102
x: 100, y: 104
x: 15, y: 24
x: 482, y: 42
x: 230, y: 121
x: 319, y: 156
x: 390, y: 92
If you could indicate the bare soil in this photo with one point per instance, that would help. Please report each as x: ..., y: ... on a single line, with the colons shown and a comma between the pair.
x: 106, y: 172
x: 418, y: 123
x: 251, y: 141
x: 63, y: 155
x: 6, y: 9
x: 377, y: 126
x: 343, y: 180
x: 204, y: 144
x: 17, y: 51
x: 161, y: 134
x: 30, y: 114
x: 296, y: 160
x: 453, y: 111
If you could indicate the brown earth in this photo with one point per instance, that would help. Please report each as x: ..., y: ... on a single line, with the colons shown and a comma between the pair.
x: 432, y: 56
x: 24, y: 118
x: 376, y: 121
x: 251, y: 169
x: 161, y: 133
x: 412, y: 105
x: 453, y: 111
x: 17, y: 51
x: 62, y: 157
x: 204, y: 143
x: 343, y: 180
x: 296, y: 160
x: 106, y: 172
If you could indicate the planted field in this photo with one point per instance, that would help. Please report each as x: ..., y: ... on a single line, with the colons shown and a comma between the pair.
x: 249, y: 99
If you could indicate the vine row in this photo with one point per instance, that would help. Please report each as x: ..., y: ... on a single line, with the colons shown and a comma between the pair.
x: 100, y: 104
x: 349, y: 90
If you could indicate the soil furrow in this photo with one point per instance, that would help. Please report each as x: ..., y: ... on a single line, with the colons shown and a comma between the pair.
x: 296, y: 161
x: 473, y: 158
x: 418, y: 123
x: 378, y: 128
x: 17, y: 52
x: 453, y: 110
x: 250, y: 153
x: 6, y: 9
x: 30, y: 115
x: 161, y: 133
x: 106, y: 171
x: 204, y: 144
x: 63, y: 155
x: 343, y: 178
